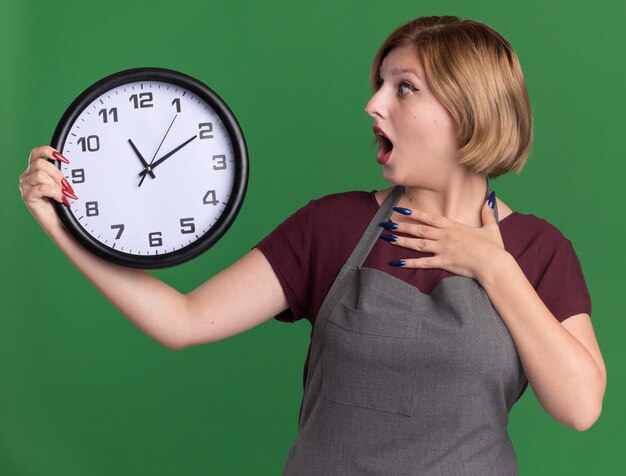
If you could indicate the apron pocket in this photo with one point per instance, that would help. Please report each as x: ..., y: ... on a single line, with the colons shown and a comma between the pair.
x: 370, y: 359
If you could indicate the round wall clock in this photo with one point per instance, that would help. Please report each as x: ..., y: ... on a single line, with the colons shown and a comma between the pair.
x: 159, y: 165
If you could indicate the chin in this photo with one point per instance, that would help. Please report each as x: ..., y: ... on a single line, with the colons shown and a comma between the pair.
x: 388, y: 175
x: 391, y: 176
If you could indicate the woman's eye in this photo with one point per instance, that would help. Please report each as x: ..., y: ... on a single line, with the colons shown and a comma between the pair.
x: 405, y: 88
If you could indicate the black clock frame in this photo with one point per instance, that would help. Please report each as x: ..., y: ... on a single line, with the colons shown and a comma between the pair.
x: 240, y: 151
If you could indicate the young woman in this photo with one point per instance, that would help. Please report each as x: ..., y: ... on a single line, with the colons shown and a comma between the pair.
x: 423, y: 340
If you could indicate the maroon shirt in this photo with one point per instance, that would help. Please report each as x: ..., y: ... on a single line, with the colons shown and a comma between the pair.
x: 309, y: 248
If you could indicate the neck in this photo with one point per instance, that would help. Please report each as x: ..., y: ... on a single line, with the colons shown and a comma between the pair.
x: 459, y: 197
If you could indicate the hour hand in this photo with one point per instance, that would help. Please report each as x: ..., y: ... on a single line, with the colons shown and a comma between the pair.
x: 145, y: 164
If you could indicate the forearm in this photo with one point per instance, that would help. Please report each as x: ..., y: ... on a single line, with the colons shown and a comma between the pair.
x: 563, y: 374
x: 155, y: 307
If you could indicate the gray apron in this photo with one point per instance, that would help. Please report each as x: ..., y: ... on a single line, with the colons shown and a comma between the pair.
x: 404, y: 383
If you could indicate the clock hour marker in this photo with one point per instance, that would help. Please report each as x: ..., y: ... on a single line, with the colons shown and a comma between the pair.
x: 120, y: 229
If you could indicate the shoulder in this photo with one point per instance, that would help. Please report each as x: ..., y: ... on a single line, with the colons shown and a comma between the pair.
x: 527, y: 233
x: 336, y: 211
x: 345, y: 206
x: 343, y: 199
x: 533, y: 226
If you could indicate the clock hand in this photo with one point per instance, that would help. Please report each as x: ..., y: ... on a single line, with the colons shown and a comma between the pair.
x: 159, y: 148
x: 143, y: 161
x: 143, y: 173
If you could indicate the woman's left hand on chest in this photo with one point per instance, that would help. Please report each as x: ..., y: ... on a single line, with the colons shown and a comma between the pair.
x: 458, y: 248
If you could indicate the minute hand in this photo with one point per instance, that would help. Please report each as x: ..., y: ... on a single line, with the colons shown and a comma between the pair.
x: 166, y: 156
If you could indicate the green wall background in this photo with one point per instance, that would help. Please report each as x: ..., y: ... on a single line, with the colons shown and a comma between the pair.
x: 84, y: 392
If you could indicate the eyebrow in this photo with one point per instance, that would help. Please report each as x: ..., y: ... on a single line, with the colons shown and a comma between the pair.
x: 398, y: 70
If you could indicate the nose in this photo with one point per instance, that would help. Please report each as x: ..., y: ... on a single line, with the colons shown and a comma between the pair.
x: 375, y: 107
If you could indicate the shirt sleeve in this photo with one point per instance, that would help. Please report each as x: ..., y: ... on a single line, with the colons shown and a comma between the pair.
x: 561, y: 284
x: 288, y: 250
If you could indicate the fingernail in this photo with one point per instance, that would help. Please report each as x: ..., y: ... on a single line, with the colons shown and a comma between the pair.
x: 389, y: 225
x: 397, y: 262
x: 388, y: 237
x: 58, y: 156
x: 67, y: 193
x: 66, y: 185
x: 404, y: 211
x: 492, y: 199
x: 65, y: 202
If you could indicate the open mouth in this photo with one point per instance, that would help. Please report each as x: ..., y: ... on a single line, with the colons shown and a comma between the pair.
x: 385, y: 145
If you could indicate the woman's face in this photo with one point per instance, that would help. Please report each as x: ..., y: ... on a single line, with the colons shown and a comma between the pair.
x: 420, y: 129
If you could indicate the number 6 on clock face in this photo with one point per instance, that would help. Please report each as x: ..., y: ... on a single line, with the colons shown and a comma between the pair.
x: 159, y: 165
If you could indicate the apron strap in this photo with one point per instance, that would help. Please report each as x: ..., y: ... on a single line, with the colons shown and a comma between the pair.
x: 373, y: 230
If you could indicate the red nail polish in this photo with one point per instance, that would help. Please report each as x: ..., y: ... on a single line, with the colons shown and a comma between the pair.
x: 67, y: 193
x: 65, y: 202
x: 66, y: 185
x: 58, y: 156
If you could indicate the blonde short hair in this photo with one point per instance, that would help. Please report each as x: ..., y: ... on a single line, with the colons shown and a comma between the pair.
x: 474, y: 72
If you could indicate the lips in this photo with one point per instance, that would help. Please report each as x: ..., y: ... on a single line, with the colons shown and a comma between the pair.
x: 385, y: 146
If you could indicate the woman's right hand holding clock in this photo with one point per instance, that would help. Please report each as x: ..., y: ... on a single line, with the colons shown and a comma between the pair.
x: 42, y: 181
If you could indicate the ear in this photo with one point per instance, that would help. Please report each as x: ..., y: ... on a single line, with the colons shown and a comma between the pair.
x: 487, y: 215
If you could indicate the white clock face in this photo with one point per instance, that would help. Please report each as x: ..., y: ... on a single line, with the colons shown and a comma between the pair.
x: 157, y: 127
